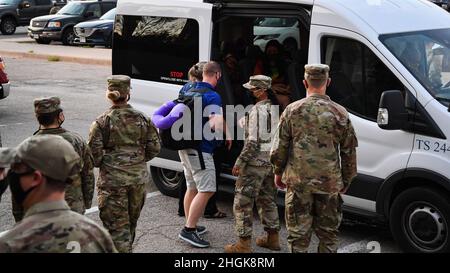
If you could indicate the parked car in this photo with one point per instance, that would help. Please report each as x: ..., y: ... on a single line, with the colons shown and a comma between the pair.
x: 284, y: 30
x: 14, y: 13
x: 97, y: 32
x: 59, y: 26
x: 4, y: 81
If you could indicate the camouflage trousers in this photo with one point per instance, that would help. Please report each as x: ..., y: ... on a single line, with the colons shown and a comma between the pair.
x: 307, y: 212
x: 255, y: 184
x: 73, y: 196
x: 120, y: 208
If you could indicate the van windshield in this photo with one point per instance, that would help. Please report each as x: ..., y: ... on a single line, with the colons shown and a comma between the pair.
x: 426, y: 54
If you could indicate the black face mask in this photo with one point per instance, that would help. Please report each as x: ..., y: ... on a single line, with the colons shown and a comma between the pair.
x: 17, y: 192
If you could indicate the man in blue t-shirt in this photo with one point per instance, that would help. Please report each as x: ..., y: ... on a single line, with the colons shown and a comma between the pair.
x: 201, y: 182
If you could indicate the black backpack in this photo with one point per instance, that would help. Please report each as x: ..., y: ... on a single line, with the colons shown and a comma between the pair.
x: 167, y: 139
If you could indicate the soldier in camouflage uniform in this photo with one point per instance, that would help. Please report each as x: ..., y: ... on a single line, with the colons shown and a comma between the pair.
x: 80, y: 191
x: 122, y: 140
x: 315, y: 151
x: 256, y: 180
x: 41, y: 166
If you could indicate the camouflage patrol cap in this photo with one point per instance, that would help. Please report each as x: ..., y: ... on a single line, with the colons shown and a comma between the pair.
x: 316, y: 71
x: 258, y: 81
x: 47, y: 105
x: 51, y: 154
x: 120, y: 83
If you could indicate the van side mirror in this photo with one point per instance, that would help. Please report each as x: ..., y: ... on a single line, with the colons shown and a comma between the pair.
x: 392, y: 114
x: 25, y: 5
x: 89, y: 14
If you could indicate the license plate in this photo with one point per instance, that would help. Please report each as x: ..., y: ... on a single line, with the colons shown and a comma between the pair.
x: 82, y: 40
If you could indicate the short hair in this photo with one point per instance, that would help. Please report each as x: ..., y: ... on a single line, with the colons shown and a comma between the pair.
x: 56, y: 185
x: 47, y: 119
x: 211, y: 68
x: 317, y: 83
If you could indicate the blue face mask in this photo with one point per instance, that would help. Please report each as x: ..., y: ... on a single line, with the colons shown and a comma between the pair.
x: 17, y: 191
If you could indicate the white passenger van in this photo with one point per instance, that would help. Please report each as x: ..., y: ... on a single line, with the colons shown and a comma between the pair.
x: 372, y: 46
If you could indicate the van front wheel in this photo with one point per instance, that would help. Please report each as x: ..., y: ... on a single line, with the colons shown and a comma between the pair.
x: 420, y: 220
x: 167, y: 181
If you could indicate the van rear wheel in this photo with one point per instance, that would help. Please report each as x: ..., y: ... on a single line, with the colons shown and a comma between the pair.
x: 420, y: 220
x: 167, y: 181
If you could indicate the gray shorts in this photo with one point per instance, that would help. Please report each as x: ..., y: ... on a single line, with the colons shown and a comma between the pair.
x: 196, y: 178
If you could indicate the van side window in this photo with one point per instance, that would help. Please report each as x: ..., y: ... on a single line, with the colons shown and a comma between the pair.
x: 358, y: 77
x: 159, y: 49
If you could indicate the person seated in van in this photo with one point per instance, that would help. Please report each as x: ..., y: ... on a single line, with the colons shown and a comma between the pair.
x: 413, y: 60
x: 434, y: 63
x: 211, y: 210
x: 255, y: 175
x: 233, y: 71
x: 274, y: 64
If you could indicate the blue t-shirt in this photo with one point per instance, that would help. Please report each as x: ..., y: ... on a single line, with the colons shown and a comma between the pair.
x: 211, y: 100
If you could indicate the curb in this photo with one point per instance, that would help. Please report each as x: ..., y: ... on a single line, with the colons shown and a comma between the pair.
x: 79, y: 60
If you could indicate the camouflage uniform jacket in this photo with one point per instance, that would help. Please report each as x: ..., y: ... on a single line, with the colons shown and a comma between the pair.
x: 258, y: 136
x: 50, y: 227
x: 80, y: 192
x: 122, y: 140
x: 315, y: 146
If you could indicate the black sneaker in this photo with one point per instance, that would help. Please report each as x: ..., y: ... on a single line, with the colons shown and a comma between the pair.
x: 201, y: 230
x: 193, y: 238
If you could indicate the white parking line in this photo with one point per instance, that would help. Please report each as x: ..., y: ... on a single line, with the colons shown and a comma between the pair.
x: 95, y: 209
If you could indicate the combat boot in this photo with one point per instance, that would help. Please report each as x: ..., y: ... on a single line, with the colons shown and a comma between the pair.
x: 244, y: 245
x: 271, y: 241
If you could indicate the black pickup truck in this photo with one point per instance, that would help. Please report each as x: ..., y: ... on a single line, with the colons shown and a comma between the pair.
x: 59, y: 26
x: 14, y: 13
